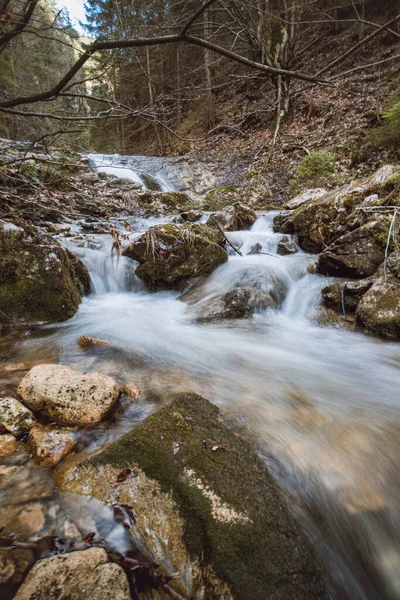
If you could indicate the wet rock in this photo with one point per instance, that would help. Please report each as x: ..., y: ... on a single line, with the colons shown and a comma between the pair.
x: 75, y: 576
x: 14, y: 564
x: 379, y: 309
x: 68, y: 396
x: 345, y: 295
x: 81, y: 273
x: 286, y: 246
x: 171, y: 257
x: 356, y: 254
x: 236, y: 305
x: 8, y: 445
x: 132, y: 390
x: 50, y: 445
x: 23, y: 519
x: 203, y: 506
x: 191, y: 216
x: 235, y: 218
x: 38, y: 279
x: 14, y: 416
x: 85, y: 341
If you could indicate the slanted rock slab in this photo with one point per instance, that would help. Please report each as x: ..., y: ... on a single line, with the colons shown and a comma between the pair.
x: 68, y: 396
x: 206, y: 506
x: 77, y: 576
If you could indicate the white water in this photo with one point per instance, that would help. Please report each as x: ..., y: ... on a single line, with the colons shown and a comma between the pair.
x: 322, y: 404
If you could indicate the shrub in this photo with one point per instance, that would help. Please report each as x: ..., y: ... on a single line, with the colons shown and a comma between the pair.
x: 316, y: 166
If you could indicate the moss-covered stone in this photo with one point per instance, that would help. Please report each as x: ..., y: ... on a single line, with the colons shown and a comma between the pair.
x: 171, y: 257
x: 38, y: 279
x: 192, y: 480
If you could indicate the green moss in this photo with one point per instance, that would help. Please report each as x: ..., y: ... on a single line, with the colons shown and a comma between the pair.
x: 220, y: 197
x: 254, y: 556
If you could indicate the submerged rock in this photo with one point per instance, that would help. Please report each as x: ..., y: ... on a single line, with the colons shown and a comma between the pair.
x: 75, y: 576
x: 358, y: 253
x: 171, y: 257
x: 85, y: 341
x: 39, y: 281
x: 8, y: 444
x: 50, y: 445
x: 68, y: 396
x: 379, y: 310
x: 15, y: 418
x: 206, y: 506
x: 132, y: 390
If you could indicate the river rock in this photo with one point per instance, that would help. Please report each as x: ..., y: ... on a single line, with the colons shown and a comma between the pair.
x: 171, y: 257
x: 14, y: 416
x: 75, y: 576
x: 8, y: 444
x: 39, y: 282
x: 50, y: 445
x: 206, y: 506
x: 235, y: 218
x: 68, y: 396
x: 356, y: 254
x: 85, y: 341
x: 379, y: 309
x: 132, y: 390
x: 191, y: 216
x: 347, y: 295
x: 286, y: 246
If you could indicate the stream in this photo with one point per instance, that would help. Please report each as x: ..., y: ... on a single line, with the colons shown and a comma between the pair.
x: 319, y: 403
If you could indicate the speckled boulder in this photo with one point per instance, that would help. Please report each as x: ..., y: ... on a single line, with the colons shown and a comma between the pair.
x: 38, y: 280
x: 172, y: 257
x: 68, y: 396
x: 75, y: 576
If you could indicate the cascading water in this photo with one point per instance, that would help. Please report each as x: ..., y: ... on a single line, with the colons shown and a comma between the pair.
x: 150, y: 173
x: 321, y: 403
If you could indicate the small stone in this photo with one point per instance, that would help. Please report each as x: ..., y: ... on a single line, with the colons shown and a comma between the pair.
x: 85, y: 341
x: 75, y: 576
x: 132, y: 390
x: 8, y: 445
x: 50, y: 445
x: 69, y: 397
x: 14, y: 416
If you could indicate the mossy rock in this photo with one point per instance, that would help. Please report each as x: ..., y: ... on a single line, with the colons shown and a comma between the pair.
x: 204, y: 494
x: 172, y: 257
x: 39, y: 281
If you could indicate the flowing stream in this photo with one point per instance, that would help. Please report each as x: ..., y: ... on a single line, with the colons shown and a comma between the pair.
x: 320, y: 403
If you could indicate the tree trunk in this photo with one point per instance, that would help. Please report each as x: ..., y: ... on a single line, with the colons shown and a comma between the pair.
x: 210, y: 109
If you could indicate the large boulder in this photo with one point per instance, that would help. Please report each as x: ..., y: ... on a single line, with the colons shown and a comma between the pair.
x: 172, y: 257
x: 205, y: 504
x: 75, y: 576
x: 379, y: 310
x: 39, y: 281
x: 67, y: 396
x: 357, y: 254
